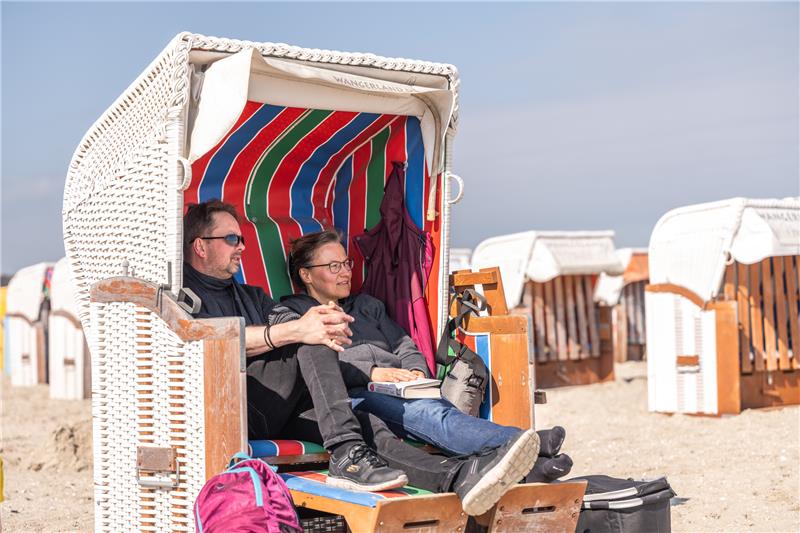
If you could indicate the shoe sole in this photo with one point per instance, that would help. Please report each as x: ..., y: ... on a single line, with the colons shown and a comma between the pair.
x: 514, y: 465
x: 344, y: 483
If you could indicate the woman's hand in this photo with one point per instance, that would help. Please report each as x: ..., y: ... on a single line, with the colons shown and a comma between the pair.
x: 393, y: 374
x: 324, y: 324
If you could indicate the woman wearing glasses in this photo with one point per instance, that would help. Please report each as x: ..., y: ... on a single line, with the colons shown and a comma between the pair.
x: 383, y: 351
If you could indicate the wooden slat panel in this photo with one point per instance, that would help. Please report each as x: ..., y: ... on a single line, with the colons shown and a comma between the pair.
x: 630, y: 316
x: 756, y: 316
x: 561, y: 327
x: 728, y: 371
x: 494, y: 293
x: 536, y: 508
x: 573, y: 346
x: 224, y: 402
x: 792, y: 283
x: 591, y: 312
x: 729, y: 285
x: 619, y: 333
x: 743, y: 307
x: 780, y: 314
x: 538, y: 320
x: 642, y: 318
x: 467, y: 277
x: 768, y: 311
x: 512, y: 398
x: 550, y: 320
x: 583, y: 326
x: 639, y: 292
x: 633, y: 333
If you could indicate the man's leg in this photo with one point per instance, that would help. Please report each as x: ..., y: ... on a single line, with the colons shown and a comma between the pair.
x: 437, y: 422
x: 480, y: 479
x: 273, y: 392
x: 425, y: 471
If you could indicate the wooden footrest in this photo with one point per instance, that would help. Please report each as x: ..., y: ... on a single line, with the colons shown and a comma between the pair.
x: 550, y: 508
x: 387, y: 511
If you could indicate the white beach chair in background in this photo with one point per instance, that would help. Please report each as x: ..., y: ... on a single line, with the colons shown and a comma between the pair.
x: 722, y: 307
x: 26, y: 324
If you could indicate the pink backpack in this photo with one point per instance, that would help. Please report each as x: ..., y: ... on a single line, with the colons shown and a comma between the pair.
x: 247, y: 497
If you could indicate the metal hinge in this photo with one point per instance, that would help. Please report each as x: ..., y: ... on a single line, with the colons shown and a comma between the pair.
x: 157, y: 467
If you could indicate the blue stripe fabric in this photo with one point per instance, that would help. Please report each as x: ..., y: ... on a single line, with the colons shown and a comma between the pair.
x: 263, y: 448
x: 484, y: 351
x: 303, y: 186
x: 221, y: 162
x: 341, y: 200
x: 197, y: 519
x: 367, y: 499
x: 415, y: 173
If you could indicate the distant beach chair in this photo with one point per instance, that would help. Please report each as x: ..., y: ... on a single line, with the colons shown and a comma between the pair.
x: 722, y: 307
x: 317, y: 132
x: 624, y: 294
x: 550, y: 276
x: 27, y: 305
x: 68, y: 353
x: 4, y: 366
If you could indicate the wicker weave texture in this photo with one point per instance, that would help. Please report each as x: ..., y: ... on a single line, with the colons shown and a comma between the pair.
x: 122, y: 209
x: 147, y: 391
x: 114, y: 417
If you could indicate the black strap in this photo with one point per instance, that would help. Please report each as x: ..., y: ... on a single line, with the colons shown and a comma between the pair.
x: 468, y: 302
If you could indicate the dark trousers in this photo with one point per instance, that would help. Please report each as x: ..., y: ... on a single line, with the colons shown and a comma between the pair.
x: 299, y: 393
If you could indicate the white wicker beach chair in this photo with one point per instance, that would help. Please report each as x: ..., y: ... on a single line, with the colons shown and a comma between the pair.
x: 26, y: 322
x: 550, y: 276
x: 168, y: 391
x: 68, y: 354
x: 722, y: 307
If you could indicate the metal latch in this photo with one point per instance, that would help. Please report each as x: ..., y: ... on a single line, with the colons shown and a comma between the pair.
x: 539, y: 397
x: 157, y: 467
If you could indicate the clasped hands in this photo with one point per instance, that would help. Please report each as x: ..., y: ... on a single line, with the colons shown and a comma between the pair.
x: 326, y: 324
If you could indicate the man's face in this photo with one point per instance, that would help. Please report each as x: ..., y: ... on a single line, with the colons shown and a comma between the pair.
x: 221, y: 260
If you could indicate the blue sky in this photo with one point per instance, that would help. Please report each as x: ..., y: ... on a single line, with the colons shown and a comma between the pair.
x: 573, y: 115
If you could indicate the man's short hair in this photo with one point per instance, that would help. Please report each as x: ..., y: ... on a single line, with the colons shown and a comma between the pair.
x: 199, y: 220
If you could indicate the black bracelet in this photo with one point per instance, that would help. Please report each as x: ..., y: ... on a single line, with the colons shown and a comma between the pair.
x: 267, y: 340
x: 272, y: 344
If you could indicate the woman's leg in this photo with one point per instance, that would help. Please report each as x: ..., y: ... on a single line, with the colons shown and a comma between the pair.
x: 435, y: 421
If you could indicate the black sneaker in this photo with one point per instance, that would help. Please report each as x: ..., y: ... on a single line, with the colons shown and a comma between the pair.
x: 356, y: 467
x: 485, y: 477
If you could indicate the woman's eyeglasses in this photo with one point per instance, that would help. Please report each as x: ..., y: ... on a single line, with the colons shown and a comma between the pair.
x: 231, y: 239
x: 335, y: 266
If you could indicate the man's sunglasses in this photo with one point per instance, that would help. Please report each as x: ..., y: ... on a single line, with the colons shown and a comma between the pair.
x: 335, y: 266
x: 231, y: 239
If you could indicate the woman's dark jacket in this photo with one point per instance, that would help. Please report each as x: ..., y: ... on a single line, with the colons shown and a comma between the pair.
x: 378, y: 341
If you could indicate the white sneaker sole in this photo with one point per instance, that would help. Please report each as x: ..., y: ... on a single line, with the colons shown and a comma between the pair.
x: 343, y: 483
x: 514, y: 465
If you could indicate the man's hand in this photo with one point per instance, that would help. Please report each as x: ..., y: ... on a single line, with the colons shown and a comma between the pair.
x: 394, y: 374
x: 325, y: 324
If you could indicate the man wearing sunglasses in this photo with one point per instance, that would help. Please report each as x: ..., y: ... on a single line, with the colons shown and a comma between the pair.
x: 294, y: 382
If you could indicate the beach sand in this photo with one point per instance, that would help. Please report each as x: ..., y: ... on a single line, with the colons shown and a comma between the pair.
x: 736, y: 473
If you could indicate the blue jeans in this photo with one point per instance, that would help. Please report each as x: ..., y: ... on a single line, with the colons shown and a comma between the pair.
x: 434, y: 421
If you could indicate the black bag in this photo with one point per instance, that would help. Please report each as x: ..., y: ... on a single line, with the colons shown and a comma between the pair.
x: 464, y: 384
x: 624, y: 505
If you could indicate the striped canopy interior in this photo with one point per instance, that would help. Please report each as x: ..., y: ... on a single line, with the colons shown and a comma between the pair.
x: 292, y: 171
